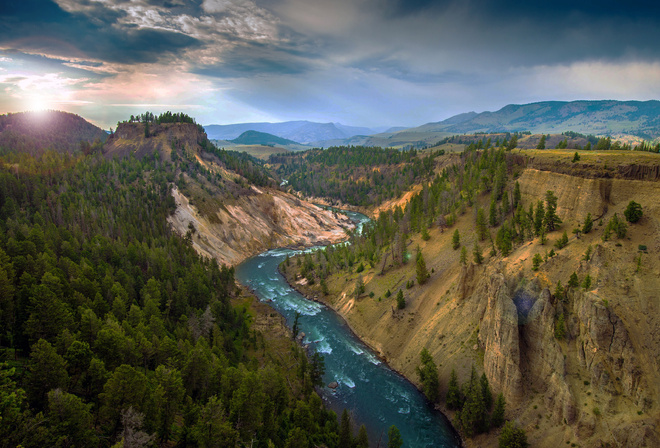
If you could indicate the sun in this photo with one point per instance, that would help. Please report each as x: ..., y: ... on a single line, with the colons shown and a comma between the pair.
x: 37, y: 103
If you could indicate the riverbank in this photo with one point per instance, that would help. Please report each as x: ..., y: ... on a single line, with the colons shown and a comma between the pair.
x: 313, y: 296
x: 377, y: 396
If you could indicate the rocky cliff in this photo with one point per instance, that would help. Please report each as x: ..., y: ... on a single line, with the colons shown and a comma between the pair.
x: 252, y: 224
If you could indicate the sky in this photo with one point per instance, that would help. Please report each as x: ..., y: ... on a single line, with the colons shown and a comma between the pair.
x: 360, y: 62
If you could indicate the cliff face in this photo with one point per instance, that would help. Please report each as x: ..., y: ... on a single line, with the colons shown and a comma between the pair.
x: 252, y: 224
x: 129, y: 139
x: 595, y: 386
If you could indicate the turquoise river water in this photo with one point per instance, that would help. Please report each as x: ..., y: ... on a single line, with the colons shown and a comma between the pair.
x: 375, y: 394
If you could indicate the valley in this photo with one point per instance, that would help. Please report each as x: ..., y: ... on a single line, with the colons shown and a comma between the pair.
x: 486, y: 256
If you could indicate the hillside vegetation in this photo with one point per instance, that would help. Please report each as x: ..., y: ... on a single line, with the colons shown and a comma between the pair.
x: 34, y: 132
x: 523, y: 265
x: 361, y: 176
x: 115, y: 331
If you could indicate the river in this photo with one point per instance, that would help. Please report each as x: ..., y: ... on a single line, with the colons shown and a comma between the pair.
x: 375, y: 394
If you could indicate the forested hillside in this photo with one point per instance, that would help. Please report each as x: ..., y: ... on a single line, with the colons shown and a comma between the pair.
x: 114, y: 329
x: 34, y: 132
x: 356, y: 175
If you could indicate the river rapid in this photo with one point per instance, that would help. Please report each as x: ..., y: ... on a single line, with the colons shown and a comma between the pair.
x: 375, y: 394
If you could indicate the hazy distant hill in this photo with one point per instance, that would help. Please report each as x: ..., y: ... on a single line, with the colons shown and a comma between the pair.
x: 261, y: 138
x: 641, y: 118
x: 37, y: 131
x: 298, y: 131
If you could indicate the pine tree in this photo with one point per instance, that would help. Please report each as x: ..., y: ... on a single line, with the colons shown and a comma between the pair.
x: 400, y: 301
x: 541, y: 144
x: 486, y: 392
x: 473, y: 413
x: 476, y: 251
x: 453, y: 398
x: 463, y: 256
x: 492, y: 215
x: 633, y: 212
x: 425, y: 232
x: 588, y: 224
x: 505, y: 204
x: 359, y: 287
x: 551, y: 219
x: 497, y: 417
x: 394, y: 439
x: 512, y: 143
x: 345, y: 431
x: 573, y: 281
x: 317, y: 368
x: 517, y: 196
x: 482, y: 230
x: 456, y: 240
x: 536, y: 261
x: 586, y: 283
x: 504, y: 239
x: 562, y: 241
x: 559, y: 291
x: 362, y: 438
x: 428, y: 375
x: 538, y: 218
x: 512, y: 437
x: 422, y: 272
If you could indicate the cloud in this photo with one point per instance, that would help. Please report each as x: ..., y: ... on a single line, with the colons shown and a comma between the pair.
x: 86, y: 30
x: 362, y: 62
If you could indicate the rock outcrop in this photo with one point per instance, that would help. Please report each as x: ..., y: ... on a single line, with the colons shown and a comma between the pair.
x: 499, y: 338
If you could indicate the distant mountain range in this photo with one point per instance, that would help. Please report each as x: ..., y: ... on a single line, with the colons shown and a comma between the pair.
x: 606, y: 117
x: 305, y: 132
x: 640, y: 118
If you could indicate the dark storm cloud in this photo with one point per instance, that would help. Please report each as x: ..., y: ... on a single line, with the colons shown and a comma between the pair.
x: 527, y: 33
x: 248, y: 59
x: 41, y: 26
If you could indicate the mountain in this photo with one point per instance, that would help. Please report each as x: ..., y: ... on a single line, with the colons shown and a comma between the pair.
x: 608, y: 117
x: 34, y: 132
x: 298, y: 131
x: 261, y: 138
